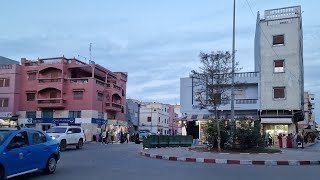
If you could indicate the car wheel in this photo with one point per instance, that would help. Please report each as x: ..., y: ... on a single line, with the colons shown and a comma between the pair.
x: 51, y: 165
x: 1, y: 173
x: 63, y: 145
x: 80, y: 144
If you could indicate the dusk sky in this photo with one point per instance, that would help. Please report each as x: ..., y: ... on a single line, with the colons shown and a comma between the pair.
x: 156, y: 42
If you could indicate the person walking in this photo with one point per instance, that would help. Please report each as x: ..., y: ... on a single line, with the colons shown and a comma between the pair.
x: 103, y: 137
x: 128, y: 137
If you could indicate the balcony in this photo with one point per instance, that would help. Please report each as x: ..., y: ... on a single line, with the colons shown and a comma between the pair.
x: 240, y: 104
x: 79, y: 81
x: 51, y: 103
x: 247, y: 77
x: 50, y: 80
x: 114, y: 86
x: 113, y: 106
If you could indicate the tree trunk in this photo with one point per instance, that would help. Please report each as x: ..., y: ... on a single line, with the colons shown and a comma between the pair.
x: 218, y: 129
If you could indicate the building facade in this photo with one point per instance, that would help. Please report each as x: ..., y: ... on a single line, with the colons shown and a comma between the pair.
x: 308, y: 124
x: 155, y: 117
x: 69, y: 91
x: 279, y: 59
x: 133, y: 114
x: 246, y: 103
x: 10, y: 75
x: 273, y: 93
x: 173, y: 121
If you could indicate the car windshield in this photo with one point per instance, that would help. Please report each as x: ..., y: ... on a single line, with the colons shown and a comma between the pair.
x: 57, y: 130
x: 4, y: 134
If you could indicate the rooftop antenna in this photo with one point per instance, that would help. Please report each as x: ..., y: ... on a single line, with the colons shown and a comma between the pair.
x: 90, y: 60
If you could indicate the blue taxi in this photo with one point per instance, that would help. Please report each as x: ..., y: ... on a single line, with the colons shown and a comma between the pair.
x: 26, y: 150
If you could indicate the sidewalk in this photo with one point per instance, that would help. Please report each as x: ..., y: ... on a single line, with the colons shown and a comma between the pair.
x: 287, y: 157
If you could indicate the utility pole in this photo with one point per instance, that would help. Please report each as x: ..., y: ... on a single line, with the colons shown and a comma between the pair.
x: 90, y: 52
x: 232, y: 80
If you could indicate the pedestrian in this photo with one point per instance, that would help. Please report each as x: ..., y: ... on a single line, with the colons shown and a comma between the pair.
x: 112, y: 137
x: 270, y: 141
x: 121, y: 137
x: 107, y: 137
x: 266, y: 138
x: 128, y: 137
x: 280, y: 140
x: 103, y: 137
x: 137, y: 141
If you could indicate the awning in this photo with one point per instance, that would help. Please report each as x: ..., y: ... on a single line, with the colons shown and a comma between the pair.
x: 276, y: 121
x: 195, y: 117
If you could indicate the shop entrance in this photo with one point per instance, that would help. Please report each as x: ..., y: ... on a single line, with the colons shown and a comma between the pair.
x: 275, y: 129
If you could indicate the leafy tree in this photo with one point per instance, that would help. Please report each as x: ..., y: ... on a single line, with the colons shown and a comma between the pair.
x: 211, y: 83
x: 248, y: 134
x: 212, y: 132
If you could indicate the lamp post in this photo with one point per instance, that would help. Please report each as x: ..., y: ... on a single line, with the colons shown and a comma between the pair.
x: 232, y: 80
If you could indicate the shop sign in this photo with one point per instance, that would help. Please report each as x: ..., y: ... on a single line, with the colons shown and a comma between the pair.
x: 6, y: 114
x: 53, y: 120
x: 98, y: 121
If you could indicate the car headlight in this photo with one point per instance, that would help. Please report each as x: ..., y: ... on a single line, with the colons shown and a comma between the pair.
x: 55, y: 137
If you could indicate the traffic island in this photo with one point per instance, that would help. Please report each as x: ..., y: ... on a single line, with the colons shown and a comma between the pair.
x: 287, y: 158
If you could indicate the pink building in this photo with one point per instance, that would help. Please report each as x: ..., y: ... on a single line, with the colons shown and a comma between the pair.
x: 173, y: 124
x: 69, y: 91
x: 9, y: 92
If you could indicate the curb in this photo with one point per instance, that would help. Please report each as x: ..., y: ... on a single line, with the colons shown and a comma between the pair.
x: 228, y: 161
x: 189, y: 149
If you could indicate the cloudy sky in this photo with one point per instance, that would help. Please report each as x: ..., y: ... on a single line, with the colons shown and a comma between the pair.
x: 156, y: 42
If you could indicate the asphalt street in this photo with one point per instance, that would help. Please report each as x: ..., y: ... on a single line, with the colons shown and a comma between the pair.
x: 123, y: 161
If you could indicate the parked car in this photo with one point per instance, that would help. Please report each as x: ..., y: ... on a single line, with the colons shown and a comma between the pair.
x: 26, y: 150
x: 67, y: 136
x: 144, y: 133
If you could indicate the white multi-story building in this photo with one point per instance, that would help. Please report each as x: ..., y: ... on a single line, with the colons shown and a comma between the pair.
x: 154, y: 117
x: 279, y: 59
x: 274, y: 92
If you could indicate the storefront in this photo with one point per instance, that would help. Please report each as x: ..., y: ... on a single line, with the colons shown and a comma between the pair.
x: 6, y: 119
x: 276, y: 127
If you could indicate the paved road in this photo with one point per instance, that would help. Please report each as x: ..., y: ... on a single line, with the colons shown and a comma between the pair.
x: 122, y: 161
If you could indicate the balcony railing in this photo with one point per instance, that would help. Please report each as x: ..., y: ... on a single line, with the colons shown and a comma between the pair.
x: 114, y: 106
x: 114, y: 86
x: 78, y: 81
x: 50, y: 80
x: 246, y: 74
x: 241, y: 101
x: 6, y: 66
x: 51, y: 102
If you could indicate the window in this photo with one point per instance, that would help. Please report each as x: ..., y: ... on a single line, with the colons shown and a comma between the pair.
x: 74, y: 114
x: 77, y: 95
x: 217, y: 98
x: 31, y: 114
x: 278, y: 40
x: 100, y: 115
x: 19, y: 140
x: 100, y: 96
x: 278, y: 66
x: 159, y: 119
x: 47, y: 113
x: 75, y: 130
x: 31, y: 96
x: 4, y: 82
x: 32, y: 76
x: 149, y: 119
x: 38, y: 137
x: 279, y: 92
x: 4, y: 102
